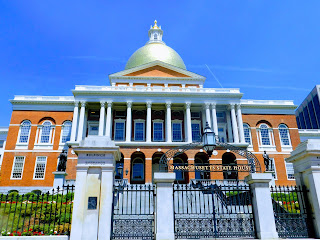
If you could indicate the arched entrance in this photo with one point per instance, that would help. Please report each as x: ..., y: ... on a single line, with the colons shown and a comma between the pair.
x: 229, y: 158
x: 201, y: 159
x: 137, y: 168
x: 155, y: 162
x: 181, y: 160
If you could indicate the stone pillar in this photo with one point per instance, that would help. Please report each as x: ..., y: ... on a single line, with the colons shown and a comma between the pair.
x: 165, y: 211
x: 240, y: 124
x: 59, y: 179
x: 214, y: 118
x: 189, y: 128
x: 306, y: 163
x: 262, y: 205
x: 81, y: 121
x: 92, y: 208
x: 128, y: 124
x: 208, y: 118
x: 234, y: 124
x: 109, y: 120
x: 230, y: 135
x: 148, y: 139
x: 168, y: 123
x: 74, y: 122
x: 101, y: 119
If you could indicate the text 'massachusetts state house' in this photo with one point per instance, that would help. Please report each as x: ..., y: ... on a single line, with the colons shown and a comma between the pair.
x: 151, y: 106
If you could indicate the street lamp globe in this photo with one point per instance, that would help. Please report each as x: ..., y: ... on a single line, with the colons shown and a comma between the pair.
x: 209, y: 140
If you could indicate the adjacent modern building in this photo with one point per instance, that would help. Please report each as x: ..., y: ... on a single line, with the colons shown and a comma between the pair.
x: 151, y: 106
x: 3, y: 138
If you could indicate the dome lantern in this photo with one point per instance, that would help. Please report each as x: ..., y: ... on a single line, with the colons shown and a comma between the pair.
x: 155, y: 34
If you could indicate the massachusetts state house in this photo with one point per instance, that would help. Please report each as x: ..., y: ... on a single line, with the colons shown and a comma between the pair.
x: 151, y: 106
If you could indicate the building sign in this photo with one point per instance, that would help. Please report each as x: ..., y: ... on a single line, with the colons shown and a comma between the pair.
x: 210, y: 168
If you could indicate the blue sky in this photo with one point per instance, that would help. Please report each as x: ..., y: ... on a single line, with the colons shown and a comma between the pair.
x: 268, y: 49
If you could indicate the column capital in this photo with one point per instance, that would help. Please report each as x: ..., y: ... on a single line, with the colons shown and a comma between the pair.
x: 129, y: 104
x: 231, y: 105
x: 109, y: 103
x: 207, y: 105
x: 149, y: 104
x: 76, y: 103
x: 188, y: 105
x: 83, y: 103
x: 168, y: 104
x: 102, y: 103
x: 238, y: 105
x: 213, y: 105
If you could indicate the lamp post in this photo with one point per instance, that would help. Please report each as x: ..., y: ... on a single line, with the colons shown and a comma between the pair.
x: 208, y: 140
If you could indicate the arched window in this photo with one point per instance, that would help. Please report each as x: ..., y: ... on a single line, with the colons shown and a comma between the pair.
x: 45, y: 132
x: 179, y: 174
x: 137, y: 174
x: 284, y: 135
x: 247, y: 133
x: 24, y: 131
x: 201, y: 159
x: 265, y: 135
x: 155, y: 36
x: 66, y: 131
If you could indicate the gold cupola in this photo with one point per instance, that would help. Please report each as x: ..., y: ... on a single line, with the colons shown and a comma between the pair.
x: 155, y: 49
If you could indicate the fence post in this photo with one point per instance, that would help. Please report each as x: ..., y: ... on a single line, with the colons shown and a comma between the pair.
x: 262, y: 205
x: 306, y: 164
x: 164, y: 205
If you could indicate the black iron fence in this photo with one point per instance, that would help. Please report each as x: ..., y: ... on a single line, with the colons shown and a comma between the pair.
x: 213, y: 210
x: 37, y: 214
x: 133, y: 211
x: 292, y: 212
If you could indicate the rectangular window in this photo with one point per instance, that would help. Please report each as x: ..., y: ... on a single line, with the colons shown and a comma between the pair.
x: 139, y: 131
x: 119, y: 131
x: 157, y: 131
x: 290, y: 171
x: 306, y: 117
x: 316, y: 105
x: 40, y: 168
x: 314, y: 123
x: 1, y: 143
x: 273, y: 169
x: 17, y: 168
x: 176, y: 131
x: 302, y: 122
x: 196, y: 134
x: 298, y: 122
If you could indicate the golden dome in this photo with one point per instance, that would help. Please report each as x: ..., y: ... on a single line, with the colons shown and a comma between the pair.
x: 154, y: 50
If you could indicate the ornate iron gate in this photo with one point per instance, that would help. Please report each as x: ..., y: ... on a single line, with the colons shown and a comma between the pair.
x: 292, y: 212
x: 211, y: 209
x: 133, y: 211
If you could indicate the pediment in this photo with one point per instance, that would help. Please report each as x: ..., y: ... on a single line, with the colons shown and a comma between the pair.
x: 156, y: 69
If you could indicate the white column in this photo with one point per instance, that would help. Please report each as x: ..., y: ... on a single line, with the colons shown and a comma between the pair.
x: 165, y: 213
x: 74, y: 122
x: 208, y: 118
x: 128, y: 128
x: 189, y: 129
x: 168, y: 122
x: 101, y: 119
x: 109, y: 119
x: 240, y: 124
x: 230, y: 135
x: 148, y: 139
x: 214, y: 118
x: 79, y: 203
x: 106, y: 207
x: 262, y: 205
x: 81, y: 121
x: 234, y: 124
